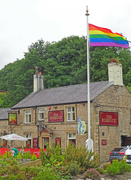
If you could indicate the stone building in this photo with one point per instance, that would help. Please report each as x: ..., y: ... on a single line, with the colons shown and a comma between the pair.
x: 53, y: 115
x: 4, y: 128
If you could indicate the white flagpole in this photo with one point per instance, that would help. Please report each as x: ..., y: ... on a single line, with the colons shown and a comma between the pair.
x: 89, y: 141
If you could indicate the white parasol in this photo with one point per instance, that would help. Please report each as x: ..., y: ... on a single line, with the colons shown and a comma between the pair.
x: 11, y: 137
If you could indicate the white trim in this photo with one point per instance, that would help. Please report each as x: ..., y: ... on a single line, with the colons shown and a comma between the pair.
x: 28, y: 116
x: 71, y: 113
x: 40, y: 111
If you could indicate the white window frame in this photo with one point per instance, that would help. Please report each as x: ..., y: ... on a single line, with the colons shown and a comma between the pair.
x: 70, y: 113
x: 71, y: 136
x: 28, y: 116
x: 40, y: 112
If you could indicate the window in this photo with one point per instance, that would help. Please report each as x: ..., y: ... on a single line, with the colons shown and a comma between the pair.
x: 41, y: 114
x: 4, y: 142
x: 72, y: 139
x: 28, y: 143
x: 28, y: 116
x: 70, y: 114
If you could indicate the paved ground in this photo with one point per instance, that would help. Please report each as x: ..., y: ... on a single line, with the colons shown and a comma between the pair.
x: 126, y: 176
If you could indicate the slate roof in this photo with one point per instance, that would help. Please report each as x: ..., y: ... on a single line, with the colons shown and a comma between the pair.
x: 4, y: 113
x: 63, y: 95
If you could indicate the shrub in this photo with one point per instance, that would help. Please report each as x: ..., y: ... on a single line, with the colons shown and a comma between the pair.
x: 52, y: 156
x: 2, y: 171
x: 12, y: 161
x: 63, y: 172
x: 47, y: 174
x: 19, y: 156
x: 101, y: 171
x: 112, y: 170
x: 12, y: 176
x: 1, y: 156
x: 73, y: 169
x: 21, y: 176
x: 43, y: 158
x: 105, y: 166
x: 5, y: 156
x: 31, y: 172
x: 34, y: 157
x: 1, y: 178
x: 82, y: 157
x: 27, y: 155
x: 92, y: 174
x: 12, y: 169
x: 118, y: 167
x: 2, y: 163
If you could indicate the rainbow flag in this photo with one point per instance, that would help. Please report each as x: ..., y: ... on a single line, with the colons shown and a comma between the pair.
x: 105, y: 37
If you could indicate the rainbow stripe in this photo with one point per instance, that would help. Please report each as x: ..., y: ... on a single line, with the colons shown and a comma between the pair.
x: 105, y: 37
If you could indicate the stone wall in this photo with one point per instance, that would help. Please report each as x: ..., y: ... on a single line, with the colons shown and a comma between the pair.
x: 3, y: 129
x: 114, y: 99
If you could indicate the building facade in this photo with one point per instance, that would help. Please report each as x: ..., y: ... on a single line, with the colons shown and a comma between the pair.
x: 60, y: 115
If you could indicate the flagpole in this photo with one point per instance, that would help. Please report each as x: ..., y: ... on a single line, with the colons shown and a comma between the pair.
x: 88, y: 83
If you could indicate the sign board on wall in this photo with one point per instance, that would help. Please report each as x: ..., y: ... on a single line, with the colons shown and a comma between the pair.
x: 56, y: 116
x: 81, y: 126
x: 109, y: 118
x: 58, y: 140
x: 103, y: 142
x: 35, y: 142
x: 12, y: 118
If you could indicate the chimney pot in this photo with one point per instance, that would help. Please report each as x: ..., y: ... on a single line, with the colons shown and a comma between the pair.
x: 38, y: 80
x: 36, y: 70
x: 115, y: 73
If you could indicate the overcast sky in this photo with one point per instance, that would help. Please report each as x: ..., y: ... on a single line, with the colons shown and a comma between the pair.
x: 23, y: 22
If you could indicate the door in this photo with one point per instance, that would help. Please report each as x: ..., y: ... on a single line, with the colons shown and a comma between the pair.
x: 45, y: 141
x: 125, y: 141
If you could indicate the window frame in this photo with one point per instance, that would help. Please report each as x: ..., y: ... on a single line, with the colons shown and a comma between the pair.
x: 42, y: 112
x: 27, y: 114
x: 71, y: 113
x: 71, y: 136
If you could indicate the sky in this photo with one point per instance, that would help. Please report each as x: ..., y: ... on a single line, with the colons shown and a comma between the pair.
x: 23, y: 22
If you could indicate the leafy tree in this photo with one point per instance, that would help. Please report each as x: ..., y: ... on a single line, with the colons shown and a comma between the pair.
x: 62, y: 63
x: 99, y: 58
x: 129, y: 88
x: 2, y: 100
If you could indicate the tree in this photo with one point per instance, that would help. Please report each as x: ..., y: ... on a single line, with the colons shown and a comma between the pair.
x: 62, y: 63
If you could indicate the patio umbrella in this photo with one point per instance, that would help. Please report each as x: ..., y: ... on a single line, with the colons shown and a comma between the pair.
x: 11, y: 137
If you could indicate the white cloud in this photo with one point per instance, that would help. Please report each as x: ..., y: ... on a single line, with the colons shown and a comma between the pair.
x: 23, y: 22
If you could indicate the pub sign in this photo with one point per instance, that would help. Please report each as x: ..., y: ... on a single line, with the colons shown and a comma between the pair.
x: 35, y: 142
x: 109, y: 118
x: 103, y: 142
x: 56, y: 116
x: 12, y: 118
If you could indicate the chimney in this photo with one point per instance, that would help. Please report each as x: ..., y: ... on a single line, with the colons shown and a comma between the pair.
x: 115, y: 72
x: 38, y: 80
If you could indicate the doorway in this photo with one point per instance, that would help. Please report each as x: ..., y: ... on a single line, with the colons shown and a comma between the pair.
x: 45, y: 142
x: 125, y: 141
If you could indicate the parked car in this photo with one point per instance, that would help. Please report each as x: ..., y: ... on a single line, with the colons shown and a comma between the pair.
x: 128, y: 154
x: 117, y: 153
